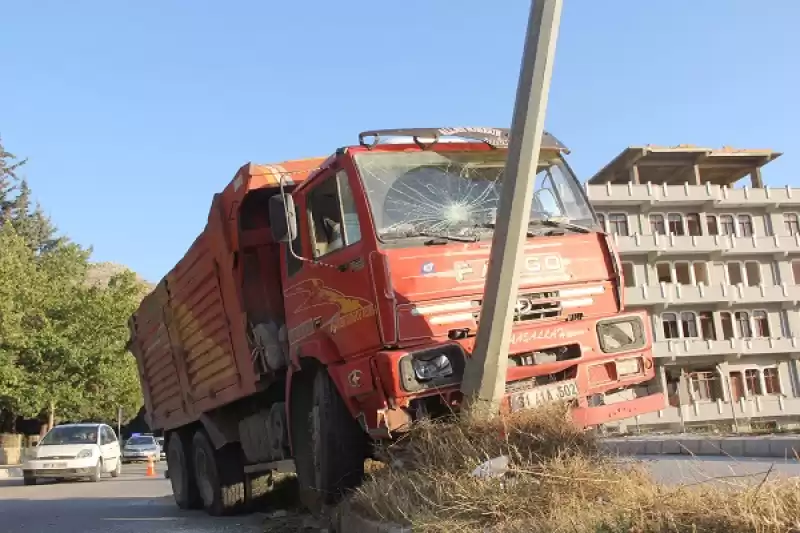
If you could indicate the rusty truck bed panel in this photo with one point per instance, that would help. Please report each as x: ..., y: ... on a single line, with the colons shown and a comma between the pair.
x: 182, y: 342
x: 153, y: 349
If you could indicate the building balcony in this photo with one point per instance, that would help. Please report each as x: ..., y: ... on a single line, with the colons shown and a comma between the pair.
x: 609, y: 194
x: 775, y: 245
x: 753, y: 408
x: 705, y: 244
x: 662, y: 244
x: 667, y: 294
x: 674, y: 348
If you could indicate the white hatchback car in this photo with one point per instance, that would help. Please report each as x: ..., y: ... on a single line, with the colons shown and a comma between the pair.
x: 74, y: 451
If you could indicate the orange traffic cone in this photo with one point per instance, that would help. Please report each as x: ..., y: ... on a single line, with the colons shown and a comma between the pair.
x: 151, y: 467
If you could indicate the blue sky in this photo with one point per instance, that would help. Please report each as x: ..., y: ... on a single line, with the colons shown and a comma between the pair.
x: 134, y: 113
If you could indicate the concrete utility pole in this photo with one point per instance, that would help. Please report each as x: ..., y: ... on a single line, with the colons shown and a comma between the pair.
x: 485, y: 375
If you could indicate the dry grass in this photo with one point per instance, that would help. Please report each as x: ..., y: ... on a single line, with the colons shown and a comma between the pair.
x: 558, y: 481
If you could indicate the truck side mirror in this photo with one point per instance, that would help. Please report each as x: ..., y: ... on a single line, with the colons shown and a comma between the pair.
x: 282, y: 218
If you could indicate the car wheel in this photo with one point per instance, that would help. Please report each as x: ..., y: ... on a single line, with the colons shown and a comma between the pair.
x: 98, y: 472
x: 28, y: 478
x: 181, y: 474
x: 330, y: 446
x: 117, y: 469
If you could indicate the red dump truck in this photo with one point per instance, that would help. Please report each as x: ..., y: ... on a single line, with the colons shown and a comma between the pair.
x: 330, y: 302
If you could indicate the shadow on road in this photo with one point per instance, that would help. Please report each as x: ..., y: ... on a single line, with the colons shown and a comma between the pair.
x: 113, y: 514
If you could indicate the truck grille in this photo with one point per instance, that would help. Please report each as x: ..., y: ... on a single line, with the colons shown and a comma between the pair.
x: 533, y: 306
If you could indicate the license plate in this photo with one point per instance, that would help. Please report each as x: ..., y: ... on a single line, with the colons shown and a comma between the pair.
x: 54, y: 465
x: 564, y: 390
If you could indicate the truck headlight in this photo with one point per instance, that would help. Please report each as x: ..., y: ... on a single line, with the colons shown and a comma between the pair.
x: 621, y: 334
x: 431, y: 368
x: 85, y: 454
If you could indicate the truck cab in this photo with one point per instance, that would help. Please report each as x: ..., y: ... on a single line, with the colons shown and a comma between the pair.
x: 385, y: 255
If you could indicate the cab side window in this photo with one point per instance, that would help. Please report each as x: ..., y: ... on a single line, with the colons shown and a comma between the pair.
x: 332, y: 216
x: 112, y: 438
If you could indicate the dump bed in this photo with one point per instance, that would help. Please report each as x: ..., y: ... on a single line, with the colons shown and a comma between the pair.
x: 189, y: 334
x: 184, y: 345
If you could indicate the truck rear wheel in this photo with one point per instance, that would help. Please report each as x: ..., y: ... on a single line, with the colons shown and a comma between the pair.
x: 181, y: 474
x: 219, y: 475
x: 329, y: 445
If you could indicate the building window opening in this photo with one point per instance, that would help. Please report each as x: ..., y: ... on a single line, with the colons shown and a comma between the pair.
x: 657, y: 225
x: 734, y: 273
x: 682, y: 273
x: 753, y: 270
x: 761, y: 323
x: 786, y: 331
x: 618, y: 223
x: 752, y: 382
x: 664, y: 272
x: 628, y: 274
x: 772, y: 381
x: 745, y: 225
x: 796, y: 272
x: 792, y: 223
x: 693, y: 224
x: 689, y: 325
x: 669, y: 322
x: 743, y: 325
x: 705, y: 386
x: 701, y: 273
x: 675, y: 224
x: 727, y: 226
x: 711, y: 224
x: 727, y: 325
x: 707, y: 328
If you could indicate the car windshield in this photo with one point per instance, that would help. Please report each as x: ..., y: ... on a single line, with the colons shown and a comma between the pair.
x: 140, y: 441
x: 452, y: 193
x: 70, y: 435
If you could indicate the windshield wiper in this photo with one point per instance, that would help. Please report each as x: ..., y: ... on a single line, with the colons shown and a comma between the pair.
x: 560, y: 225
x: 443, y: 238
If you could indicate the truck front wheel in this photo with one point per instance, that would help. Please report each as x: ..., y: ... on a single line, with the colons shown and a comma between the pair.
x: 181, y: 474
x: 220, y: 476
x: 329, y: 445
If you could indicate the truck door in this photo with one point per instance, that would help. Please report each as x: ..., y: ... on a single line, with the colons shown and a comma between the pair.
x: 332, y: 293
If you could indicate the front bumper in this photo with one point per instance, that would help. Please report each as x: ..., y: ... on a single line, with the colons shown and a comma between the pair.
x: 590, y: 369
x: 55, y: 468
x: 132, y: 456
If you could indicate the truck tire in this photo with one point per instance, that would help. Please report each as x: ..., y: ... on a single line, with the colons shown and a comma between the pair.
x: 28, y: 478
x: 329, y: 445
x: 181, y: 474
x: 219, y: 475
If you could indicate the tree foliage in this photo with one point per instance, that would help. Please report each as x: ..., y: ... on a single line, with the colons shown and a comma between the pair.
x: 62, y: 339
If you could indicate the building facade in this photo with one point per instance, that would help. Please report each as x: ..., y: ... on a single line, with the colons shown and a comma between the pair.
x: 716, y: 263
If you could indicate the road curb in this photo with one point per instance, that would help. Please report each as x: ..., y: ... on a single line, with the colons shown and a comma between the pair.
x: 762, y: 446
x: 10, y: 472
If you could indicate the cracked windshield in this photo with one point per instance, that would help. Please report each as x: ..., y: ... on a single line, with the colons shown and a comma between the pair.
x: 455, y: 195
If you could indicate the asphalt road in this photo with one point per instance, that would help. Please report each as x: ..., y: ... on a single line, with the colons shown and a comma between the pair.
x: 132, y: 503
x: 138, y: 504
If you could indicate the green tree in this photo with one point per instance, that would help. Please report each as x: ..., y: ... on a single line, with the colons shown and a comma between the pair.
x: 8, y: 178
x: 62, y: 335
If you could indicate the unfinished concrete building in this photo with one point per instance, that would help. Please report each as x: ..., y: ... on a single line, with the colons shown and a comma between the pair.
x: 714, y: 256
